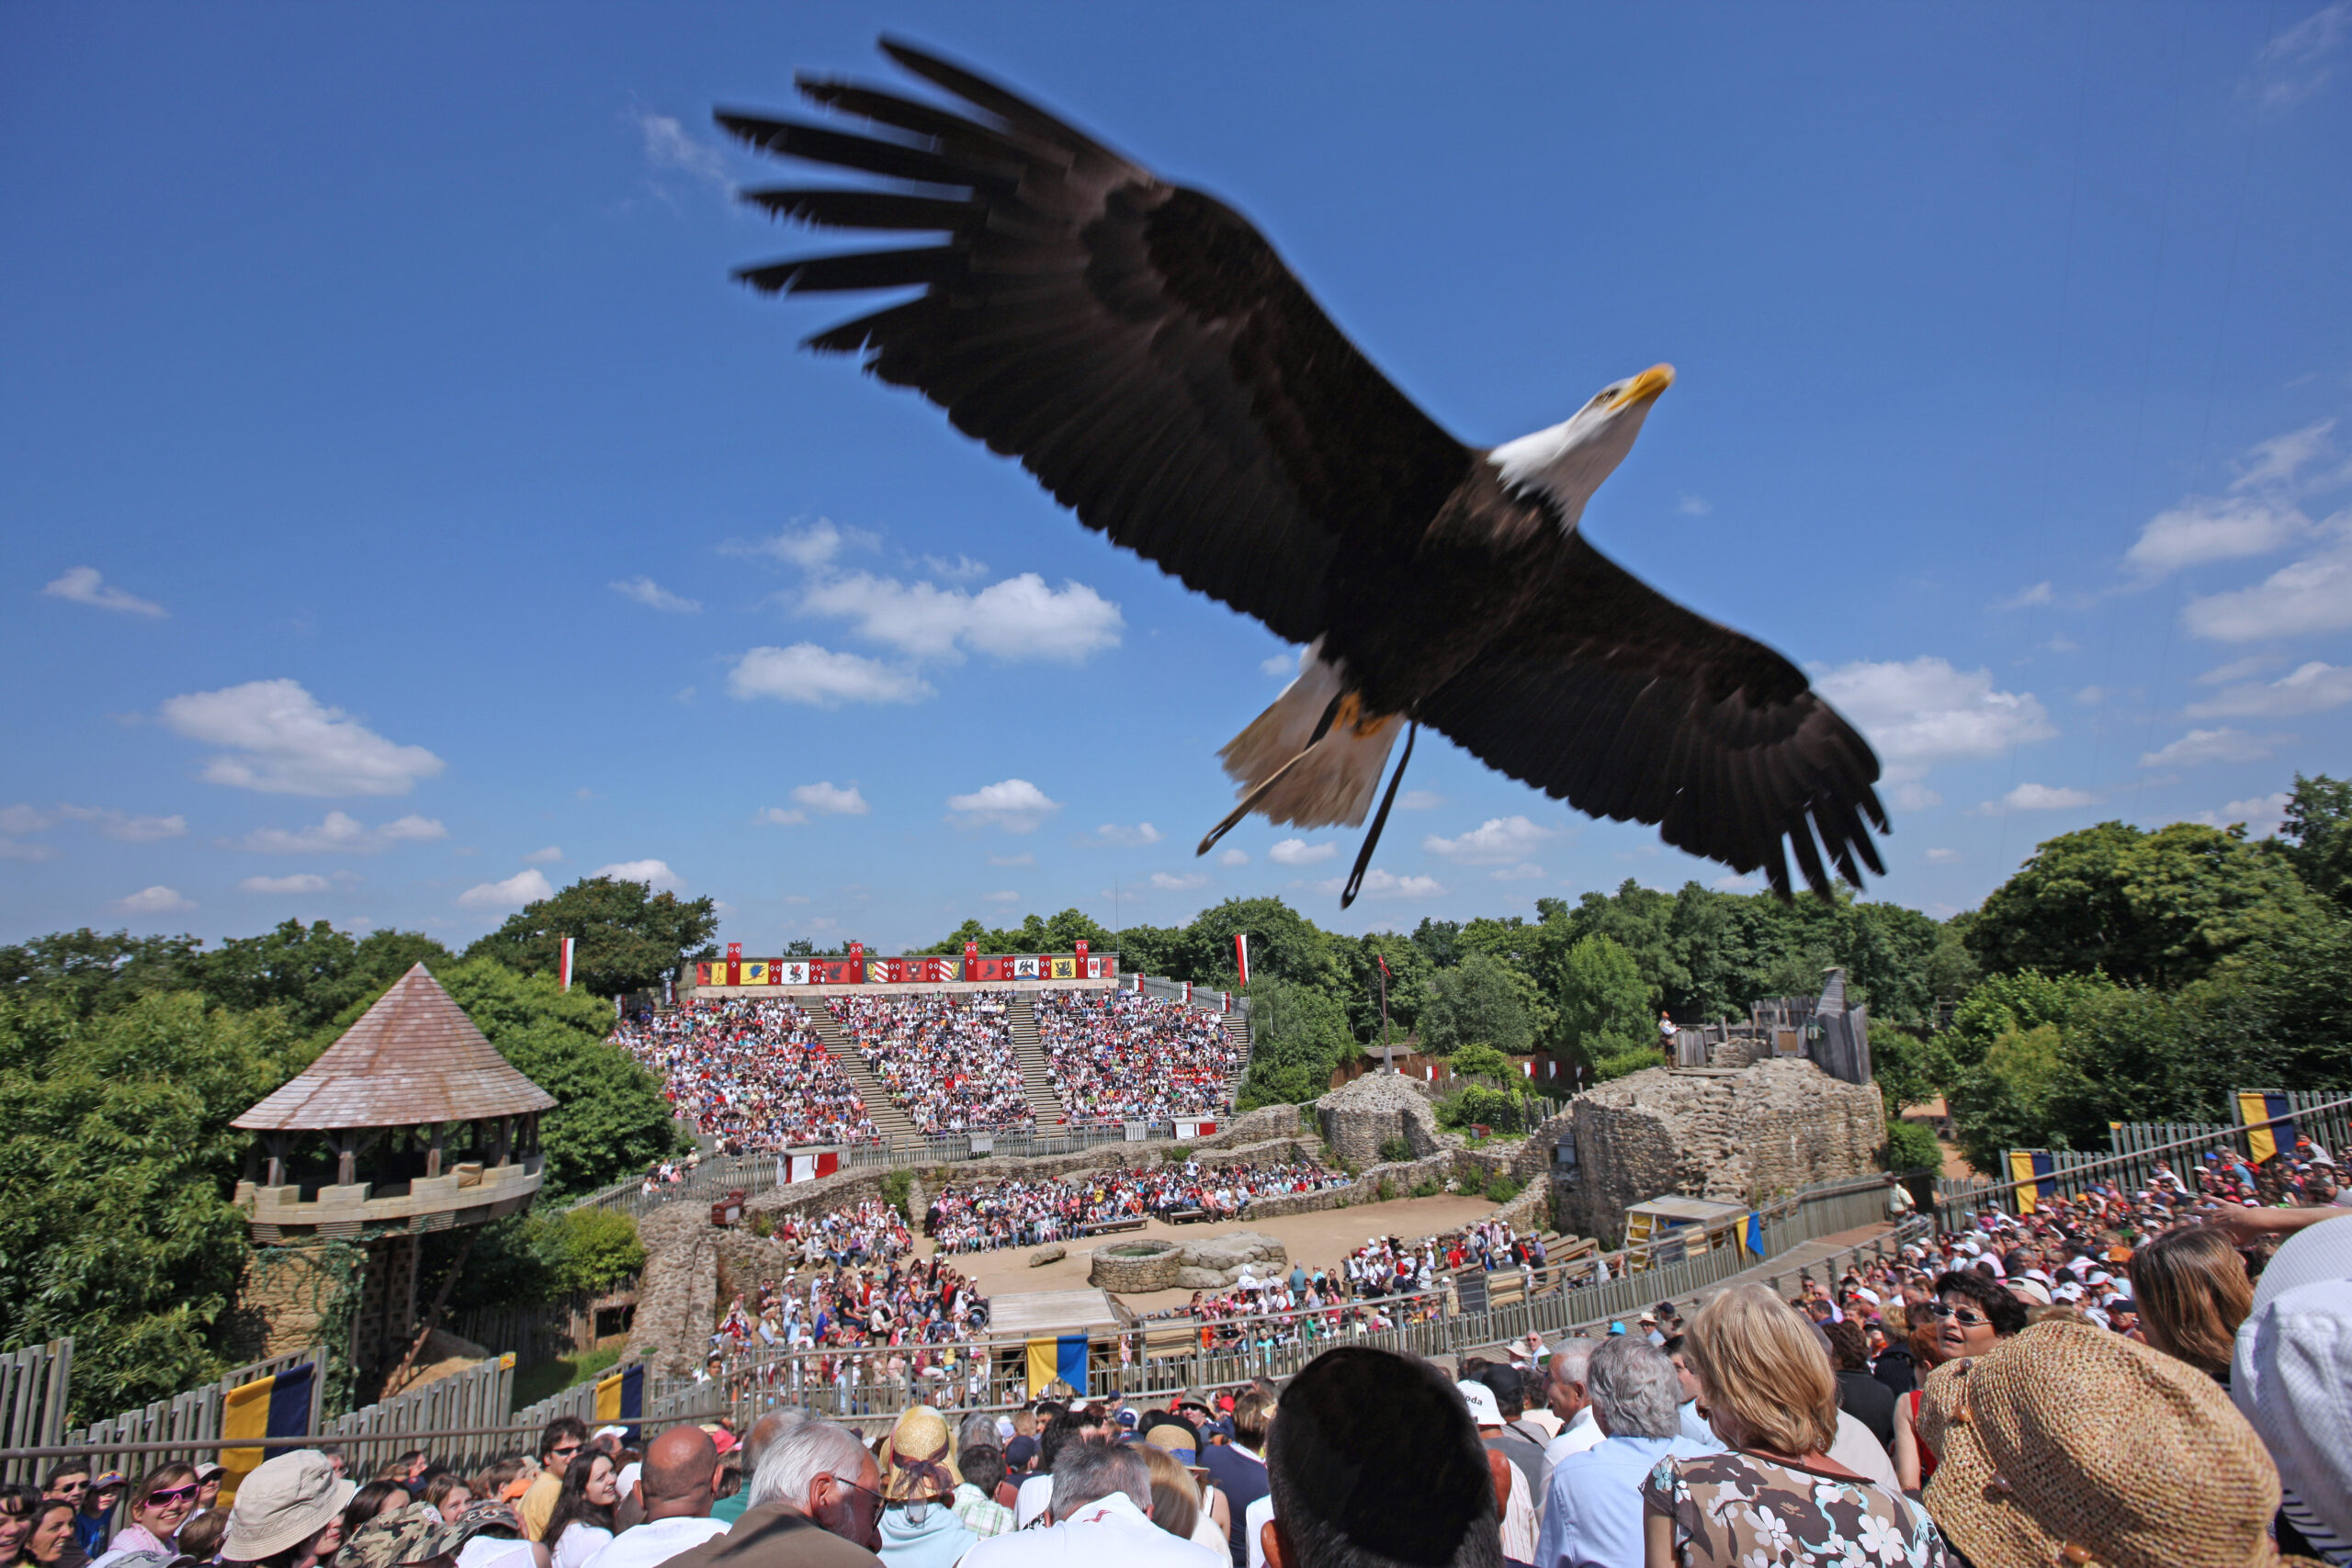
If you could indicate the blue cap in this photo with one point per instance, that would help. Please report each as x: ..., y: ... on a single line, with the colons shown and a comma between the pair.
x: 1616, y: 1328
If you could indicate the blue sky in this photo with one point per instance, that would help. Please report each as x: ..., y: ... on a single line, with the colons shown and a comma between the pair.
x: 401, y: 510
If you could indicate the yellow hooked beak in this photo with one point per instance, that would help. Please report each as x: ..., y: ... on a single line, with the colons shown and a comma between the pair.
x: 1647, y: 385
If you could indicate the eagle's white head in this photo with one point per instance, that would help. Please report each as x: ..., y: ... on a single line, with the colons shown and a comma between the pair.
x: 1568, y: 462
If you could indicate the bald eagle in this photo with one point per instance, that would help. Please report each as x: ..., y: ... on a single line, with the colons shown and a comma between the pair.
x: 1143, y: 350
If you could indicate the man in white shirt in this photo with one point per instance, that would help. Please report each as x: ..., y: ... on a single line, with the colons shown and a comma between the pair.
x: 1102, y: 1516
x: 1563, y: 1390
x: 680, y: 1478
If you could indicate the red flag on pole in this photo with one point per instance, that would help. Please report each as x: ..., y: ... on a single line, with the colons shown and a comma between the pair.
x: 1241, y: 957
x: 1383, y: 967
x: 563, y: 961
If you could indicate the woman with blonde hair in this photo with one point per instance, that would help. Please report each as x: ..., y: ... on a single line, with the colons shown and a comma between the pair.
x: 1767, y: 1390
x: 2192, y: 1291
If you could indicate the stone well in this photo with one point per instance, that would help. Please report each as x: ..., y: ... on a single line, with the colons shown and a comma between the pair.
x: 1136, y: 1266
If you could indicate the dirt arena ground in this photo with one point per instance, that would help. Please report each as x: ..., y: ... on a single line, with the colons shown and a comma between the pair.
x: 1323, y: 1237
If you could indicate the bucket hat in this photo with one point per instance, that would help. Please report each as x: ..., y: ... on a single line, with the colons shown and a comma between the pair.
x: 918, y: 1457
x: 284, y: 1501
x: 2069, y: 1444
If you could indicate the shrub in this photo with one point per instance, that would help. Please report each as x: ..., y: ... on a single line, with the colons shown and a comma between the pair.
x: 763, y: 1225
x: 1910, y: 1146
x: 1396, y: 1150
x: 1385, y: 1190
x: 896, y: 1188
x: 1501, y: 1189
x: 1428, y: 1187
x: 1623, y: 1062
x: 1477, y: 1104
x: 1179, y: 1154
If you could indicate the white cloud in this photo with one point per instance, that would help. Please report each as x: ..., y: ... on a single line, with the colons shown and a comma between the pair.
x: 1298, y: 852
x: 2024, y: 598
x: 1496, y: 841
x: 828, y: 799
x: 1922, y: 710
x: 341, y: 834
x: 523, y: 888
x: 2313, y: 594
x: 1943, y: 857
x: 963, y: 569
x: 1015, y: 805
x: 1279, y: 665
x: 156, y: 900
x: 653, y: 596
x: 301, y: 882
x: 668, y: 145
x: 1141, y: 833
x: 2282, y: 458
x: 654, y: 873
x: 1023, y: 858
x: 548, y: 856
x: 1694, y: 506
x: 1233, y: 858
x: 24, y: 819
x: 2262, y: 815
x: 2235, y: 670
x: 777, y: 817
x: 1419, y: 800
x: 2039, y: 798
x: 1743, y: 882
x: 87, y: 585
x: 1380, y: 884
x: 1017, y: 618
x: 2223, y: 745
x: 1527, y: 871
x: 809, y: 546
x: 282, y: 741
x: 1006, y: 897
x: 2209, y: 528
x: 2311, y: 688
x: 1168, y: 882
x: 12, y: 848
x: 1910, y: 794
x: 2299, y: 62
x: 808, y: 673
x: 125, y: 829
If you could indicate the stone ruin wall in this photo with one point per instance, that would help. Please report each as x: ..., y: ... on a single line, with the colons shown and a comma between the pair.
x: 1738, y: 1136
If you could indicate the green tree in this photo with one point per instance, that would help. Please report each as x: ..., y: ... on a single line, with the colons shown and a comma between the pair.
x: 1604, y: 1004
x: 313, y: 972
x: 1476, y: 1002
x: 628, y: 936
x: 116, y: 1166
x: 2024, y: 1094
x: 1482, y: 1062
x: 87, y: 973
x: 610, y: 1119
x: 2163, y: 908
x: 1299, y: 1035
x: 2319, y: 829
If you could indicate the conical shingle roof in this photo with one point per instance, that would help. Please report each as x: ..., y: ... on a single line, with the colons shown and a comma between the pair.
x: 414, y: 1057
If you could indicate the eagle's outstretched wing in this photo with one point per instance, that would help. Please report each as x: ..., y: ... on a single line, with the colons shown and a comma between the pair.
x: 1139, y: 347
x: 1628, y: 705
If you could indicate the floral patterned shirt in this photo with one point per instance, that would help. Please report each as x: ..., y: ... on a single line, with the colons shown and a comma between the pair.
x: 1734, y: 1510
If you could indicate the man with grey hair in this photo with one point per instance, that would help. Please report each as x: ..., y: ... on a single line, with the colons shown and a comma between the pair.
x: 1563, y: 1392
x: 746, y: 1459
x: 816, y: 1502
x: 1101, y: 1515
x: 1592, y: 1514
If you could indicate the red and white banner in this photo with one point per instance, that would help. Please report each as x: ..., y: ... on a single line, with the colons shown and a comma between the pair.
x: 1185, y: 1129
x: 809, y: 1168
x: 1241, y: 957
x: 563, y: 960
x: 734, y: 962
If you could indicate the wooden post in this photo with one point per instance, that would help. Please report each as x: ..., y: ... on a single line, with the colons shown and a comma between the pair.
x: 432, y: 1154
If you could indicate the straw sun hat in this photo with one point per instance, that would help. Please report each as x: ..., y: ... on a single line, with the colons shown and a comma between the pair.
x: 2069, y: 1444
x: 283, y: 1503
x: 919, y: 1459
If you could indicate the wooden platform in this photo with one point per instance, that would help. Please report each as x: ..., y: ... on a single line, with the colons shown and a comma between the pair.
x: 1038, y: 1315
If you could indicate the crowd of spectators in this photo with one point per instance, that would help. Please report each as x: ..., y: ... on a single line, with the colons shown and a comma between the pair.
x: 750, y: 1071
x: 1124, y: 1056
x: 947, y: 1059
x: 1016, y: 1211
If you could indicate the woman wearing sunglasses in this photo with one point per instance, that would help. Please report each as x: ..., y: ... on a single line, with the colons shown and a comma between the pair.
x: 160, y: 1504
x: 1970, y: 1314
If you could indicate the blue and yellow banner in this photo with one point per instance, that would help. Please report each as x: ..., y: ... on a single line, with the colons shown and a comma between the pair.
x: 1751, y: 1235
x: 2026, y: 1167
x: 2262, y: 1143
x: 1062, y: 1357
x: 620, y: 1398
x: 277, y: 1407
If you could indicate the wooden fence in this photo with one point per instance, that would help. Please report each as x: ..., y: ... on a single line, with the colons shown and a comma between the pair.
x: 193, y: 1414
x: 33, y: 1381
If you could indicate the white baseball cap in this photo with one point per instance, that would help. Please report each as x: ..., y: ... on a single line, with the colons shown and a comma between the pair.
x: 1481, y: 1400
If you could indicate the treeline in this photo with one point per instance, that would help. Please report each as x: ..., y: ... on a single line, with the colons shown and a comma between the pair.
x: 123, y: 1059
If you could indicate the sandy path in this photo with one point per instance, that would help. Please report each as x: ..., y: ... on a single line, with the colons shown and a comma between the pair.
x: 1324, y: 1237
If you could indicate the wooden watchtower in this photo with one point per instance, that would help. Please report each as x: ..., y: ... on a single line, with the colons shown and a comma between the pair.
x: 411, y: 1122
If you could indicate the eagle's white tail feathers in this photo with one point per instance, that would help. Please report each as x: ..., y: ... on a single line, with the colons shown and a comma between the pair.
x: 1332, y: 786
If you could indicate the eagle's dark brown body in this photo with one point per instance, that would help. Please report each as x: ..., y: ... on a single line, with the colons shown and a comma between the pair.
x: 1143, y: 350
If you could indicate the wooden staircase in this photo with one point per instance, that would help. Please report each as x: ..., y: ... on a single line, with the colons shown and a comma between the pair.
x: 889, y: 1119
x: 1036, y: 1076
x: 1236, y: 1029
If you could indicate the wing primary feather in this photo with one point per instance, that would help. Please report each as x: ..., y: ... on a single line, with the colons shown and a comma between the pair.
x: 865, y: 269
x: 832, y: 207
x: 998, y: 100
